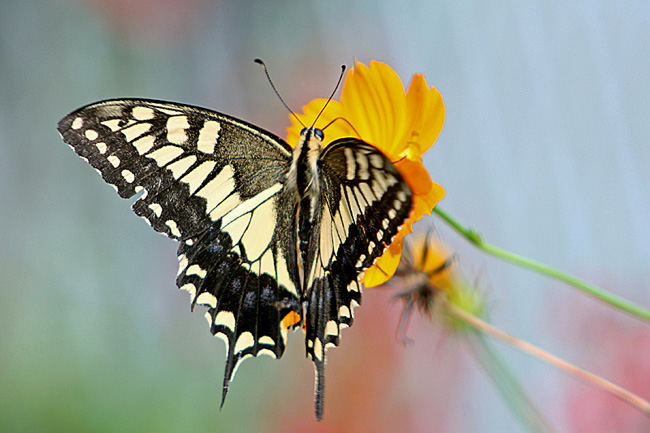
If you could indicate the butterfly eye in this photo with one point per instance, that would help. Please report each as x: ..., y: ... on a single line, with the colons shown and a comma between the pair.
x: 318, y: 133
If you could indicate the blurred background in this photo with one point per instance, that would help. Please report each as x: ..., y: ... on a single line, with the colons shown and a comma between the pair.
x: 545, y: 151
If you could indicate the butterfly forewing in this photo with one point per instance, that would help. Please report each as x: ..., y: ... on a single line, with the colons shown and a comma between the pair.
x: 216, y: 184
x: 187, y: 160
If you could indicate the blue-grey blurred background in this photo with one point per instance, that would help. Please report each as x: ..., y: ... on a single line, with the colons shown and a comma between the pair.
x: 545, y: 150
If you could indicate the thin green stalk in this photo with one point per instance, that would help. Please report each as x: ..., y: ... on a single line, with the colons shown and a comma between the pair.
x: 521, y: 405
x: 474, y: 237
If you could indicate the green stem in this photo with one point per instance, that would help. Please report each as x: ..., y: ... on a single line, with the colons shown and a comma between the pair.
x: 474, y: 237
x: 521, y: 405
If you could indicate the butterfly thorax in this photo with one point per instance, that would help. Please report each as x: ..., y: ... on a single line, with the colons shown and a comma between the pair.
x: 304, y: 164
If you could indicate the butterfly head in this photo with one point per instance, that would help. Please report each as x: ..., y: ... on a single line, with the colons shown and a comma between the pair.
x: 310, y: 145
x: 307, y: 133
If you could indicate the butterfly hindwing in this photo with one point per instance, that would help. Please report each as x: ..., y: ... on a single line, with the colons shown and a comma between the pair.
x: 216, y: 184
x: 252, y: 300
x: 364, y: 202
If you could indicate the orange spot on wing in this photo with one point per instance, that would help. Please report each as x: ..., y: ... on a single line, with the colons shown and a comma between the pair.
x: 290, y: 320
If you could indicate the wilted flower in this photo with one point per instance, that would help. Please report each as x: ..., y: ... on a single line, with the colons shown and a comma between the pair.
x: 427, y: 271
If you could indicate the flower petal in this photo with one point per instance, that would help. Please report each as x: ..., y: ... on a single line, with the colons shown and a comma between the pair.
x: 426, y: 193
x: 374, y: 102
x: 425, y: 112
x: 386, y: 265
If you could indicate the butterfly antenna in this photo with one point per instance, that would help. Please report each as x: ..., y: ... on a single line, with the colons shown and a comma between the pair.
x: 338, y: 83
x: 346, y: 121
x: 266, y: 71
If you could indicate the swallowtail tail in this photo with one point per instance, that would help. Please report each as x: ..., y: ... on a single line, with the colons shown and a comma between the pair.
x: 271, y: 238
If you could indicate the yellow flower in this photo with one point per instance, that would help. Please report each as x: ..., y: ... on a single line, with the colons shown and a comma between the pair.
x: 428, y: 270
x: 375, y: 108
x: 427, y: 255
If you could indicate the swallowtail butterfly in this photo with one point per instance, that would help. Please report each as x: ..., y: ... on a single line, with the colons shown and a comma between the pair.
x: 271, y: 238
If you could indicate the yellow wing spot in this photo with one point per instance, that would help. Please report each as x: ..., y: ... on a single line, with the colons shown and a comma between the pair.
x: 195, y: 178
x: 128, y: 176
x: 206, y: 298
x: 114, y: 160
x: 179, y: 167
x: 376, y: 160
x: 135, y: 131
x: 91, y: 134
x: 350, y: 164
x: 173, y: 228
x: 362, y: 162
x: 144, y: 144
x: 267, y: 352
x: 165, y: 154
x: 332, y: 328
x: 208, y: 136
x: 143, y: 113
x: 318, y: 349
x: 244, y: 341
x: 176, y: 126
x: 156, y: 209
x: 226, y: 319
x: 265, y: 339
x: 196, y: 270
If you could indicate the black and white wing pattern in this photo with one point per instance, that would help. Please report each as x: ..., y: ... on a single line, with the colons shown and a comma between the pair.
x: 214, y: 183
x: 271, y: 238
x: 364, y: 203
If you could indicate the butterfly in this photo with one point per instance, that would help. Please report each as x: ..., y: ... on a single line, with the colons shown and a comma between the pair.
x: 272, y: 238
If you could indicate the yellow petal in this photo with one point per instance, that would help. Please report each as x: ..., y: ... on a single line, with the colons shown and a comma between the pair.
x: 429, y: 255
x: 425, y: 112
x: 386, y: 265
x: 426, y: 193
x: 374, y: 102
x: 416, y: 176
